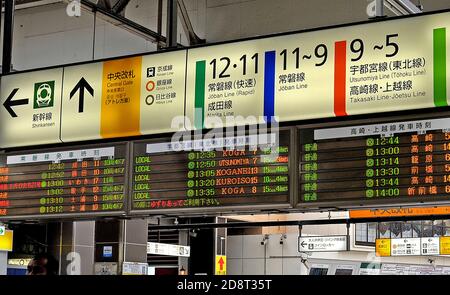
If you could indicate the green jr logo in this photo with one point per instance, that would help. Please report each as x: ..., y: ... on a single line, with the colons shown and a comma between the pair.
x: 44, y: 94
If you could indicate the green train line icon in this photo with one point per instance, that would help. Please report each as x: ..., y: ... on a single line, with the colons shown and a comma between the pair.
x: 44, y: 94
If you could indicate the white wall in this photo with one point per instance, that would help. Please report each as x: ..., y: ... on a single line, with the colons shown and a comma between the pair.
x: 46, y: 36
x: 232, y: 19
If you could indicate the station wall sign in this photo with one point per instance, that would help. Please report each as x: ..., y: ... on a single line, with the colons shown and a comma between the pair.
x: 134, y: 268
x: 123, y: 97
x: 412, y: 246
x: 322, y: 244
x: 6, y: 241
x: 405, y: 247
x: 367, y: 68
x: 397, y: 212
x: 168, y: 249
x: 115, y: 98
x: 221, y: 265
x: 30, y: 108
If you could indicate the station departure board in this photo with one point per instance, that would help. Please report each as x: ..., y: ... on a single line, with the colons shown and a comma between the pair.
x: 75, y: 182
x: 391, y: 163
x: 209, y: 174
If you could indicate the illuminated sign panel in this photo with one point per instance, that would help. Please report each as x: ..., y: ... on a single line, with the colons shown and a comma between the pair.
x: 424, y: 246
x: 30, y: 105
x: 366, y: 68
x: 351, y: 70
x: 123, y: 97
x: 165, y: 178
x: 6, y: 241
x: 389, y: 163
x: 63, y: 182
x: 388, y: 212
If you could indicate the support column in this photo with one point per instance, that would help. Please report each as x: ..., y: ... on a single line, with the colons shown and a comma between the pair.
x: 72, y: 244
x: 183, y: 262
x: 172, y: 22
x: 84, y: 246
x: 8, y: 31
x: 134, y: 240
x: 3, y: 262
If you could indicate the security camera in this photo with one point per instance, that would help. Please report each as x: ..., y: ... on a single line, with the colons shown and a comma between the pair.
x: 193, y: 233
x: 305, y: 262
x: 282, y: 238
x: 264, y: 241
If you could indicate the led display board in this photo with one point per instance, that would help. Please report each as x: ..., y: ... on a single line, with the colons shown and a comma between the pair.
x: 64, y: 182
x: 216, y: 174
x: 383, y: 164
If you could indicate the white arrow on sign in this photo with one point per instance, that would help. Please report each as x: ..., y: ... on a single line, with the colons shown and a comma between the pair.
x: 2, y: 230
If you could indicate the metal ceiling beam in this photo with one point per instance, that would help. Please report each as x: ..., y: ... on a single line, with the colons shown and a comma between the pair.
x: 172, y: 23
x: 104, y: 4
x: 402, y: 7
x: 8, y: 32
x: 379, y: 5
x: 244, y: 224
x: 119, y: 7
x: 187, y: 25
x: 409, y: 6
x: 126, y: 23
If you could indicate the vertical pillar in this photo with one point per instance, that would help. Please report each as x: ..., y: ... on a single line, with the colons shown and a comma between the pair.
x: 172, y: 22
x: 134, y: 240
x: 8, y: 30
x: 72, y: 244
x: 83, y: 247
x: 108, y: 246
x: 183, y: 262
x: 379, y: 8
x: 220, y: 246
x: 3, y: 262
x: 159, y: 22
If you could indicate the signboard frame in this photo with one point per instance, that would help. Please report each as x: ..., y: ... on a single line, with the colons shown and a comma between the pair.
x: 268, y: 36
x: 390, y: 117
x: 6, y: 241
x: 132, y: 266
x: 167, y: 248
x: 322, y: 251
x: 78, y: 215
x: 389, y: 247
x: 241, y: 209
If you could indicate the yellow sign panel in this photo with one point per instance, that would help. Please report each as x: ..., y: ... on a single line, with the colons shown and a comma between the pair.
x: 383, y: 247
x: 397, y: 212
x: 6, y: 241
x: 121, y: 95
x: 444, y: 244
x: 221, y: 265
